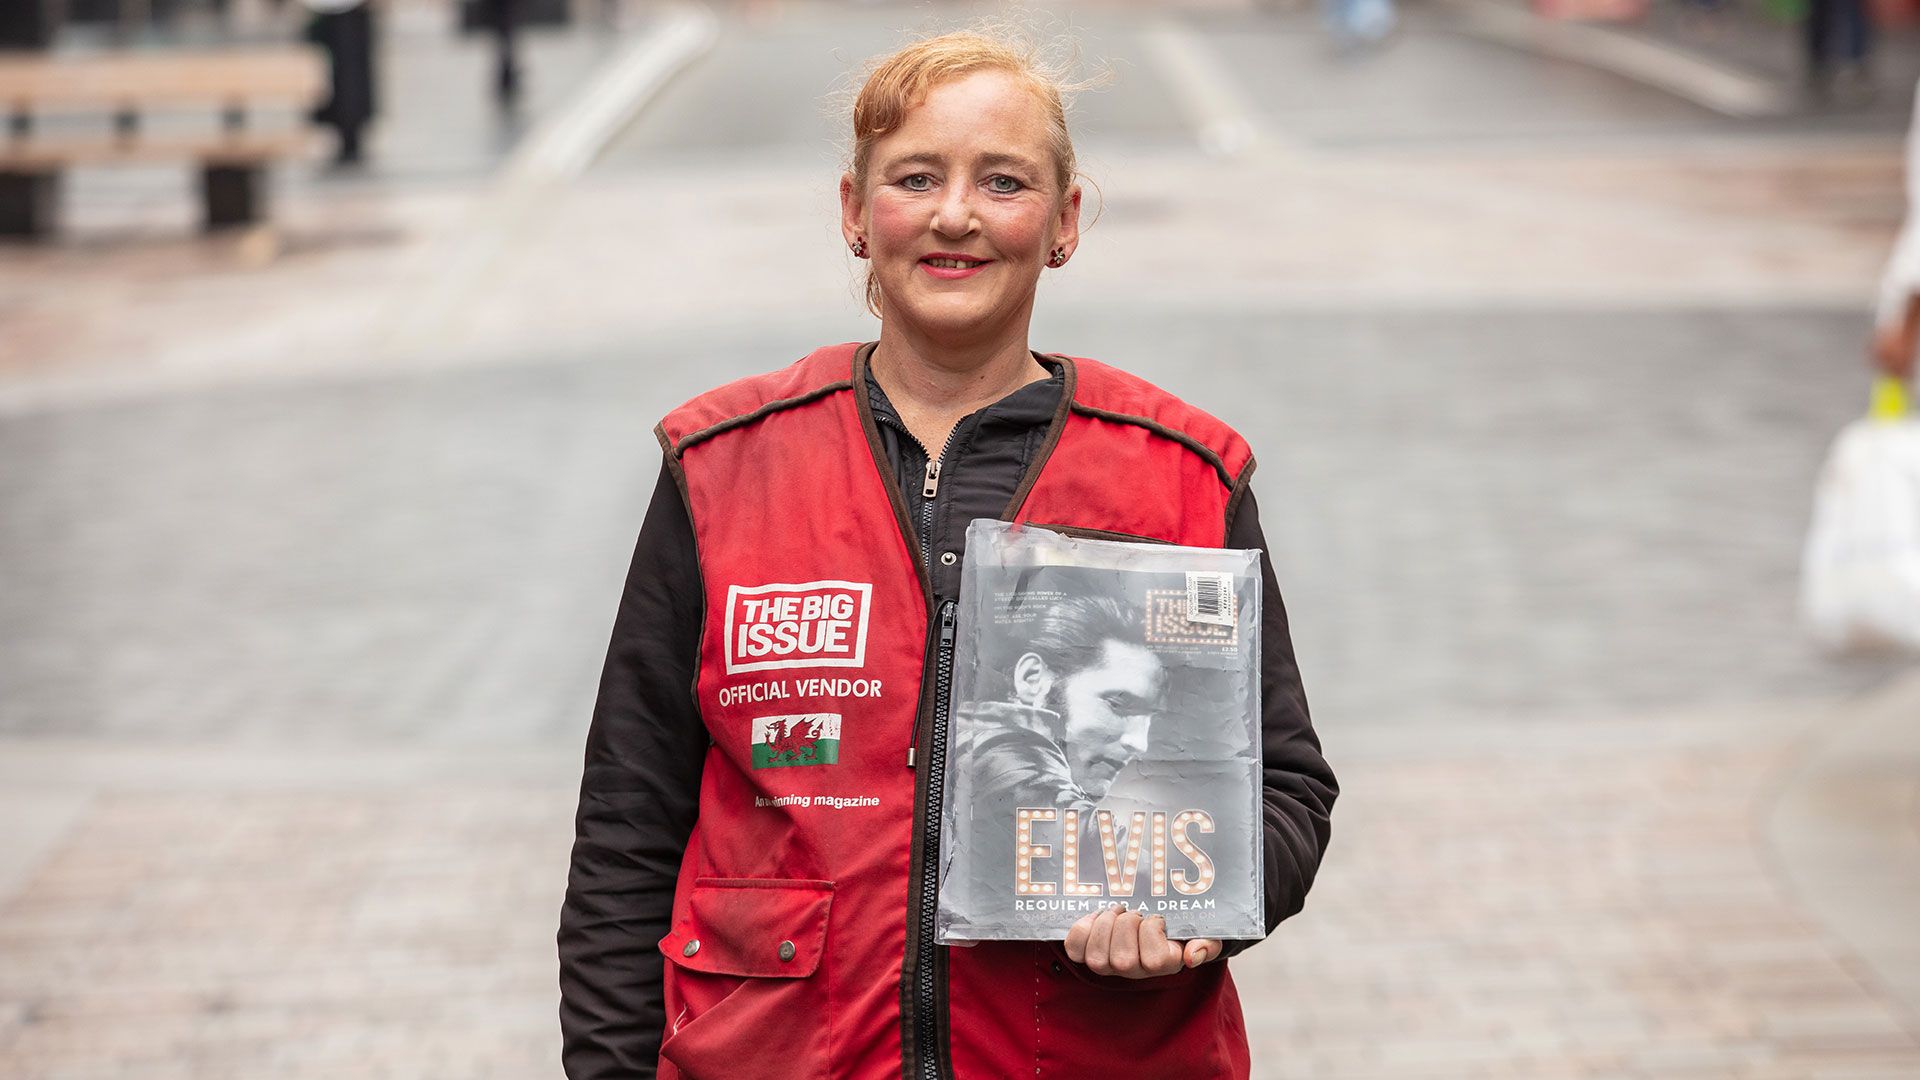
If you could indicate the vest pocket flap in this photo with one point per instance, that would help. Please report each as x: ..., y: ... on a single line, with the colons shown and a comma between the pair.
x: 768, y: 928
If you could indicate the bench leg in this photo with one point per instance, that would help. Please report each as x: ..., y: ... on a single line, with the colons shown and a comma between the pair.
x: 234, y: 194
x: 28, y: 203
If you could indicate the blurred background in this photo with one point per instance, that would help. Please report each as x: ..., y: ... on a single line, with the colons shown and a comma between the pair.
x: 331, y: 339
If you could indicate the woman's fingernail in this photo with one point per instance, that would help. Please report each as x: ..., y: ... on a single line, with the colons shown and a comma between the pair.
x: 1199, y: 957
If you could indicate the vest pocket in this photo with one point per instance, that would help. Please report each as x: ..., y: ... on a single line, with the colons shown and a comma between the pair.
x: 745, y: 997
x: 1181, y: 1026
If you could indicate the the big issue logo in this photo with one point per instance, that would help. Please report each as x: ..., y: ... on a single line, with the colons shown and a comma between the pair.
x: 813, y: 624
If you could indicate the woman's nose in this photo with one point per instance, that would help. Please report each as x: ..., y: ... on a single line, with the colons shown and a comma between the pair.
x: 953, y: 214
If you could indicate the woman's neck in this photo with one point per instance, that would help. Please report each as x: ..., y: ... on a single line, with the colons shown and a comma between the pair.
x: 934, y: 389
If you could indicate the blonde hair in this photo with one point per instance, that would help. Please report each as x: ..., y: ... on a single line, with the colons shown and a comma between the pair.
x: 901, y: 80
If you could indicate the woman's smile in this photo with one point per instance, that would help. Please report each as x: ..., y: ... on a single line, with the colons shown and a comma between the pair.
x: 952, y: 267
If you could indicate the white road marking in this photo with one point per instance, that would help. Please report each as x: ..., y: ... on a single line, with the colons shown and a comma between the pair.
x: 566, y: 145
x: 558, y: 150
x: 1698, y: 80
x: 1222, y: 118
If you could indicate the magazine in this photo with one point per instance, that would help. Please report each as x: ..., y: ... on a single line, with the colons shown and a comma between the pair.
x: 1103, y: 738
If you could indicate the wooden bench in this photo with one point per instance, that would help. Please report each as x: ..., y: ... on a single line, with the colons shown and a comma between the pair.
x: 105, y: 96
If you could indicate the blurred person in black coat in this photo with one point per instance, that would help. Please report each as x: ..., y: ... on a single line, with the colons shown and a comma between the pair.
x: 504, y: 17
x: 345, y: 29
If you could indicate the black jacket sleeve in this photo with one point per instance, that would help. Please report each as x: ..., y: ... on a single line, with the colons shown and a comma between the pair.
x: 639, y: 796
x: 1298, y: 788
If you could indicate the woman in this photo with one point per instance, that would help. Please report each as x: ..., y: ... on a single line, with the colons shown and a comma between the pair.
x: 739, y: 910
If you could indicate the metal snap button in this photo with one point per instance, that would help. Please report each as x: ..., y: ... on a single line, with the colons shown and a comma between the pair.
x: 786, y: 951
x: 948, y: 558
x: 692, y: 947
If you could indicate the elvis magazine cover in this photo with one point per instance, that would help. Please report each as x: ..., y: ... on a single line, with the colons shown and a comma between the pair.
x: 1102, y: 737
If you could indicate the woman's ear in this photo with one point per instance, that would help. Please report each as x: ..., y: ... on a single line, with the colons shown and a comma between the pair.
x: 1068, y: 237
x: 1032, y: 679
x: 852, y: 229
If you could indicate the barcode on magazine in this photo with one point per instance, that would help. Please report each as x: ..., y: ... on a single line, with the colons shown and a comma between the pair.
x: 1210, y: 599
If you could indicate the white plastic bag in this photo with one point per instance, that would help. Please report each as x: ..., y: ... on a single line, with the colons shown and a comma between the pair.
x: 1860, y: 576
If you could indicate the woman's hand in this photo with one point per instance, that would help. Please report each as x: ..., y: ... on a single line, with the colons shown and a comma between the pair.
x: 1120, y: 941
x: 1893, y: 351
x: 1893, y: 345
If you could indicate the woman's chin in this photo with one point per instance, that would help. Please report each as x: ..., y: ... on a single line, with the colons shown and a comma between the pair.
x: 958, y: 320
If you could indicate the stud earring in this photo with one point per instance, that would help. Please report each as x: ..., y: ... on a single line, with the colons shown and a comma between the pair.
x: 1058, y: 258
x: 859, y: 248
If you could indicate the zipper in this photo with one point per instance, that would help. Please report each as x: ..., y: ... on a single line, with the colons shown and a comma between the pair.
x: 929, y: 489
x: 926, y: 988
x: 926, y: 1033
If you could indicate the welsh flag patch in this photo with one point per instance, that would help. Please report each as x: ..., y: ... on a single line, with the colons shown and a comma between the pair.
x: 807, y: 739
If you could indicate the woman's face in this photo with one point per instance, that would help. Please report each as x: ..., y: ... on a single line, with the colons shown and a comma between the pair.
x: 961, y: 209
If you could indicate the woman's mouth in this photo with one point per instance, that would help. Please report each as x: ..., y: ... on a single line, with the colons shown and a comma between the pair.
x: 950, y: 267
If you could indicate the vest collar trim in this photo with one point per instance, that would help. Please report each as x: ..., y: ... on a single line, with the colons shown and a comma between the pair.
x: 863, y: 405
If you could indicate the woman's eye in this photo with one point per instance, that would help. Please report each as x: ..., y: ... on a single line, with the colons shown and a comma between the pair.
x: 1004, y: 185
x: 916, y: 182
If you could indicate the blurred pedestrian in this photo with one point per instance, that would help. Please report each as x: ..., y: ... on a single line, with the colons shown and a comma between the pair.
x: 724, y: 921
x: 29, y: 24
x: 345, y: 29
x: 1860, y: 573
x: 1359, y: 23
x: 1839, y: 41
x: 504, y: 17
x: 1897, y: 318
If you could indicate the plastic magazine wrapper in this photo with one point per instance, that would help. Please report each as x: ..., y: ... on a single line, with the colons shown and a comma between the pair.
x: 1103, y: 738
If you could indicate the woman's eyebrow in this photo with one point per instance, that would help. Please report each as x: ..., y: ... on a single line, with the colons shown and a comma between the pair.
x: 1007, y: 159
x: 924, y: 157
x: 992, y: 160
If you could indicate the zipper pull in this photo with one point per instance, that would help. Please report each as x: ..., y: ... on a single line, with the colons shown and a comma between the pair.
x: 932, y: 485
x: 946, y: 625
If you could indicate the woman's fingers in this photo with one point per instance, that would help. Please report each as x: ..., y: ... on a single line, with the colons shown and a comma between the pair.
x: 1201, y: 950
x: 1077, y: 936
x: 1158, y: 956
x: 1100, y: 941
x: 1118, y: 941
x: 1123, y: 956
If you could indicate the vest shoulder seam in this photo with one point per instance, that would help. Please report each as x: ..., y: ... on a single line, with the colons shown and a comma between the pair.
x: 1206, y: 453
x: 680, y: 446
x: 1239, y: 493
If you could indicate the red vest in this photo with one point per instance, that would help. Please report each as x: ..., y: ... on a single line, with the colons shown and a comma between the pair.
x: 790, y: 945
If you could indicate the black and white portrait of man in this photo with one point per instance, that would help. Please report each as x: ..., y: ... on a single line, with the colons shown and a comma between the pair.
x: 1082, y: 695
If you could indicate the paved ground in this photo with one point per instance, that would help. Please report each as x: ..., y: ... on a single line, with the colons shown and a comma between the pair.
x: 1472, y: 512
x: 302, y: 599
x: 1530, y: 901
